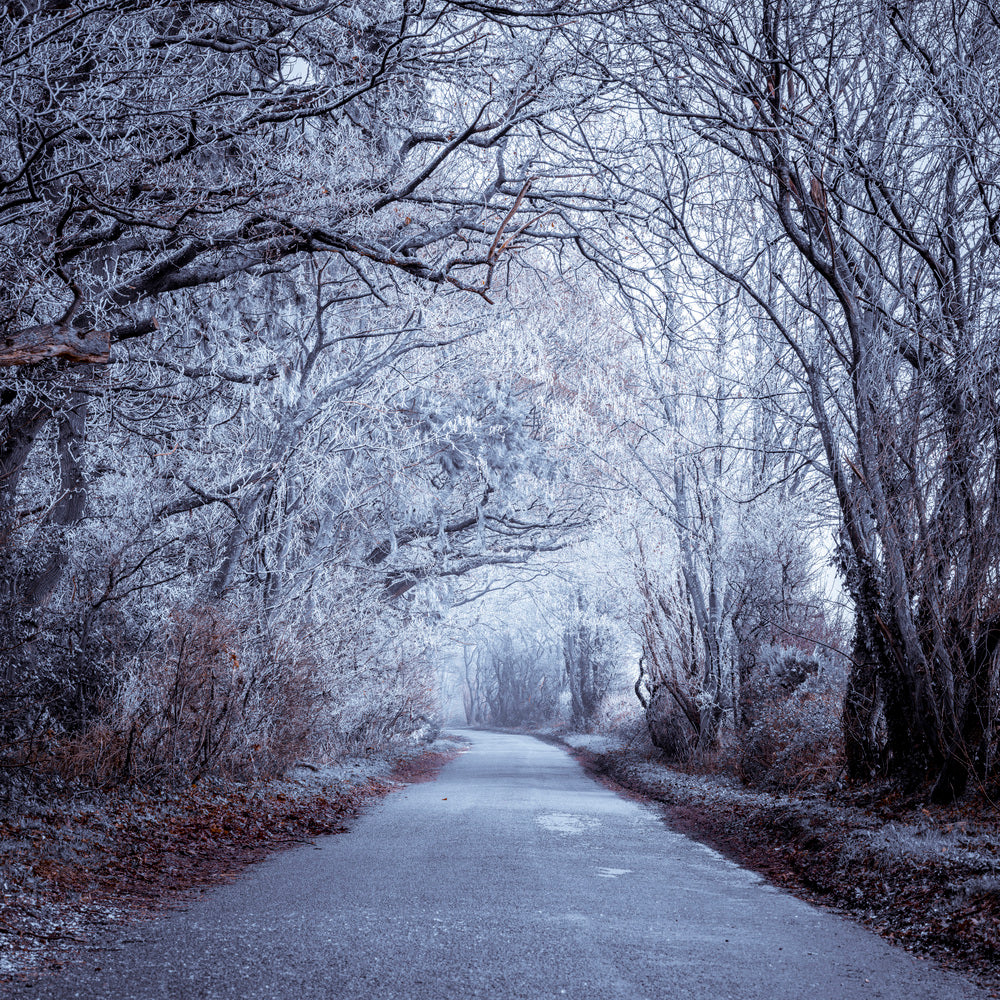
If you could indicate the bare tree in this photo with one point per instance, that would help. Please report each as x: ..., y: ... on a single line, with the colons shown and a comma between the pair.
x: 166, y: 171
x: 861, y: 149
x: 592, y: 654
x: 521, y: 680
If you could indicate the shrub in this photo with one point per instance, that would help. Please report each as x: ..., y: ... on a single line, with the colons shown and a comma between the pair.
x: 795, y: 735
x: 216, y: 697
x: 669, y: 728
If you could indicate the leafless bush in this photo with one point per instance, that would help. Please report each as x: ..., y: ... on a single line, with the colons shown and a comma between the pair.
x: 779, y: 671
x: 621, y: 713
x: 669, y: 728
x: 378, y: 700
x: 60, y: 676
x: 216, y: 697
x: 795, y: 737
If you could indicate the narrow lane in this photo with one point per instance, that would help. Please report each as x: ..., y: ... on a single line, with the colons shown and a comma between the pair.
x: 512, y: 875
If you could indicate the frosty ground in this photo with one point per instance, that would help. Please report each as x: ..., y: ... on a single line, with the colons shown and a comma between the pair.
x: 512, y: 876
x: 77, y: 862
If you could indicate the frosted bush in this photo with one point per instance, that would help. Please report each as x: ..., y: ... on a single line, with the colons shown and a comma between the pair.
x: 795, y: 737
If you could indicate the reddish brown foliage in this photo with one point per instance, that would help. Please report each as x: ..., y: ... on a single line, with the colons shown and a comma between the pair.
x: 423, y: 768
x: 144, y: 853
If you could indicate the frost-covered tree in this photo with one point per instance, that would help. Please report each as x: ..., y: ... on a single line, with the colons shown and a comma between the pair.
x: 852, y: 156
x: 693, y: 435
x: 245, y: 207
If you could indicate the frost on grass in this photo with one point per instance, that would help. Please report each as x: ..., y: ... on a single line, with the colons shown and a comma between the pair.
x: 593, y: 742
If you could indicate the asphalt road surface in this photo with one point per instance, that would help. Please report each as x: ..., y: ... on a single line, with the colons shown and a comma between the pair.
x: 512, y: 875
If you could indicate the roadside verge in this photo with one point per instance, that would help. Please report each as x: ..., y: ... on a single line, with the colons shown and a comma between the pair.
x: 76, y: 862
x: 928, y: 880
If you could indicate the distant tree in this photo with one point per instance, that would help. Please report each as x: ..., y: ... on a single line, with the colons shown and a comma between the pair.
x: 592, y: 652
x: 521, y: 680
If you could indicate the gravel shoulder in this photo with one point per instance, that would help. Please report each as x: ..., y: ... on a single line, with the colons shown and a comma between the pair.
x: 925, y: 878
x: 78, y: 862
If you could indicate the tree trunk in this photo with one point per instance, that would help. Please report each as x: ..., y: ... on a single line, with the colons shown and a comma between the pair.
x: 38, y: 587
x: 859, y: 720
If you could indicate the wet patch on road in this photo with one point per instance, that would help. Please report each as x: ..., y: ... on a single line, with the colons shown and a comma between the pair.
x: 566, y: 823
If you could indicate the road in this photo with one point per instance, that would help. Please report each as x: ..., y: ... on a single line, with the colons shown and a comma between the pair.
x: 512, y: 875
